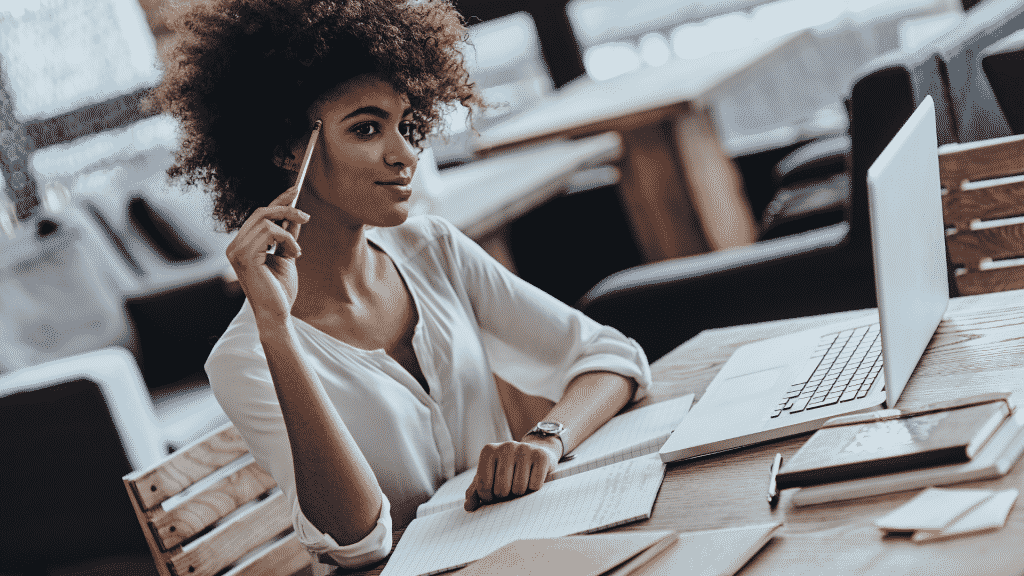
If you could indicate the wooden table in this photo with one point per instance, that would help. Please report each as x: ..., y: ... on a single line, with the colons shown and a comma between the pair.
x: 977, y: 348
x: 682, y: 194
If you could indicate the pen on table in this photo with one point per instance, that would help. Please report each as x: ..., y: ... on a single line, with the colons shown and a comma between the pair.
x: 773, y: 488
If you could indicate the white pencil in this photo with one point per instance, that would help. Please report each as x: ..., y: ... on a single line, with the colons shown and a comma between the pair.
x: 302, y: 176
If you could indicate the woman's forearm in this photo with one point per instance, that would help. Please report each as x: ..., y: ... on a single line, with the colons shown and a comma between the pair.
x: 590, y: 400
x: 335, y: 485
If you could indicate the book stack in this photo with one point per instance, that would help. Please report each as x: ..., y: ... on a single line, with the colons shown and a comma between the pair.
x: 888, y: 451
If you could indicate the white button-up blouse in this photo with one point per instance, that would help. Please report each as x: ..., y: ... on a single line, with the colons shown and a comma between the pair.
x: 476, y: 319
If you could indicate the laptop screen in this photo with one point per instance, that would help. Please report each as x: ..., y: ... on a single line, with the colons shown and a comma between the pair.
x: 908, y: 244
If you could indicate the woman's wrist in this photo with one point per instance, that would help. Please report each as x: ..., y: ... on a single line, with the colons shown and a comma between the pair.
x: 274, y: 328
x: 551, y: 444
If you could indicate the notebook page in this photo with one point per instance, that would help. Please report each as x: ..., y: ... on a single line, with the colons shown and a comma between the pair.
x: 636, y: 433
x: 585, y: 502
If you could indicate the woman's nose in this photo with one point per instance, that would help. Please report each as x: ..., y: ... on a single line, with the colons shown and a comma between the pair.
x: 401, y: 152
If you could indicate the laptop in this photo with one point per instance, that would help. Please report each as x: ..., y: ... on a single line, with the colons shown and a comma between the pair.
x: 792, y: 384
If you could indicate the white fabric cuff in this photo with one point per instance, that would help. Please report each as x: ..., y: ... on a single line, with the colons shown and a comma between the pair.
x: 372, y: 548
x: 620, y: 361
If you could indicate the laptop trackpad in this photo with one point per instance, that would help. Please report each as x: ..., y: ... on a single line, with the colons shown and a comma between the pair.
x: 748, y: 385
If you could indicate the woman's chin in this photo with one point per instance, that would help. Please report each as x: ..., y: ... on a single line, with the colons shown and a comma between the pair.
x: 398, y: 214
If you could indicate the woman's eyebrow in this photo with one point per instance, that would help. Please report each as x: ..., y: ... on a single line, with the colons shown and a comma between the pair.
x: 375, y: 111
x: 371, y: 110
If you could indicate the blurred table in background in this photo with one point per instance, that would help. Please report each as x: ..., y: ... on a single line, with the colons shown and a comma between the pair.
x: 682, y: 194
x: 482, y: 197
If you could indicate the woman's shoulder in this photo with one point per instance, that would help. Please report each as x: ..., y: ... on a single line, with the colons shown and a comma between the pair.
x: 240, y: 339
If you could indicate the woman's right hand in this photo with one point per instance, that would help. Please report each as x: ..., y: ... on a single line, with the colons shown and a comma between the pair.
x: 270, y: 282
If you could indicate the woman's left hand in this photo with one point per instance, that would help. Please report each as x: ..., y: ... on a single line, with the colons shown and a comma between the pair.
x: 510, y: 469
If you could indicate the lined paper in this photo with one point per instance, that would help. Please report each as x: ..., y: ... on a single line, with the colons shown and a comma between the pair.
x: 587, y: 502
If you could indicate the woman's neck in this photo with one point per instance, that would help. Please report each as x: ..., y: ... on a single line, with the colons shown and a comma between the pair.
x: 337, y: 261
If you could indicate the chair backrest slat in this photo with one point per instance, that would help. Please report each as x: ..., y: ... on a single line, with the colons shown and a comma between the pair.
x: 228, y: 516
x: 980, y: 160
x: 188, y: 466
x: 972, y: 247
x: 204, y: 509
x: 1003, y: 199
x: 996, y: 280
x: 229, y: 542
x: 983, y: 208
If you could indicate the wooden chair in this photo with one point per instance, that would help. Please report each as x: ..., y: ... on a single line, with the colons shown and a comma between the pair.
x: 983, y: 209
x: 210, y: 509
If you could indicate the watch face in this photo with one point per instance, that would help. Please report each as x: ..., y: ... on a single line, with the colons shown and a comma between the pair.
x: 549, y: 427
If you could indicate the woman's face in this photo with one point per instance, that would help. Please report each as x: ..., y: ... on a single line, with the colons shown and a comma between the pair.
x: 363, y: 162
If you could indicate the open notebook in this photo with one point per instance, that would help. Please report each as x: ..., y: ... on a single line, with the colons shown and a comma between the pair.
x: 613, y: 479
x: 635, y: 433
x: 594, y: 500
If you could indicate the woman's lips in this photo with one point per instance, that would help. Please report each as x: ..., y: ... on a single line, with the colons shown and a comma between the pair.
x: 402, y: 188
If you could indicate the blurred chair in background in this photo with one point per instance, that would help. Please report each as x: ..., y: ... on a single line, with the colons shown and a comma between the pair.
x: 978, y: 115
x: 70, y: 428
x: 58, y: 294
x: 939, y: 54
x: 121, y: 239
x: 162, y: 246
x: 1003, y: 62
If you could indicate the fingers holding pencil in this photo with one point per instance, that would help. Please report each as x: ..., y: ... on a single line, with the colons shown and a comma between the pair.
x: 299, y: 180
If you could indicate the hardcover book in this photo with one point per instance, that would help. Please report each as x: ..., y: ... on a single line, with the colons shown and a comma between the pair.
x: 995, y: 459
x: 893, y: 444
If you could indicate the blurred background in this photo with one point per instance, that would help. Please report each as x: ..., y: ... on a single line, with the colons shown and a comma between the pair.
x: 667, y: 166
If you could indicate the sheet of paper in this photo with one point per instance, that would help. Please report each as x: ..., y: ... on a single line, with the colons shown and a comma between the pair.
x: 988, y: 515
x: 932, y: 509
x: 719, y: 552
x: 628, y: 435
x: 586, y: 502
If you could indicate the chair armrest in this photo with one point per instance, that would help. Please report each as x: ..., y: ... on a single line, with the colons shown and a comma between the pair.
x: 807, y: 205
x: 663, y: 304
x: 679, y: 271
x: 820, y: 158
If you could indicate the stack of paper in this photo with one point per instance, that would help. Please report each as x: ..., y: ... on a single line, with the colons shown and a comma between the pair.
x: 719, y: 552
x: 937, y: 513
x: 616, y: 554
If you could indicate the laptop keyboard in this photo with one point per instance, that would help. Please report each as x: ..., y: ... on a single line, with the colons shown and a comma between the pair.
x: 842, y: 368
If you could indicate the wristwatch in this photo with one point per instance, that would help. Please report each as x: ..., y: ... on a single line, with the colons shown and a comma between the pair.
x: 550, y: 428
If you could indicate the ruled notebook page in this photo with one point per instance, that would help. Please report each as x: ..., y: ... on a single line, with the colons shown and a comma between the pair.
x: 637, y: 433
x: 594, y: 500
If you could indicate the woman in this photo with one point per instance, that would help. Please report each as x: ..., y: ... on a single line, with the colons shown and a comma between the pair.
x: 361, y: 369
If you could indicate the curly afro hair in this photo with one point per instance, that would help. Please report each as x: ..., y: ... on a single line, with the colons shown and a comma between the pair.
x: 244, y: 73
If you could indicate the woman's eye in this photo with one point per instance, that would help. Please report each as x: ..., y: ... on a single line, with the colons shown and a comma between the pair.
x: 407, y: 129
x: 366, y: 130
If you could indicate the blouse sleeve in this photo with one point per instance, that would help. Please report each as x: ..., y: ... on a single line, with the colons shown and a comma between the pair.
x: 242, y: 385
x: 533, y: 340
